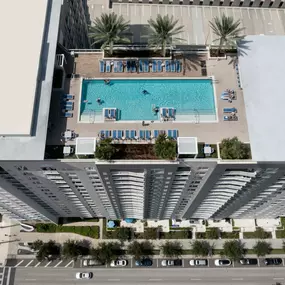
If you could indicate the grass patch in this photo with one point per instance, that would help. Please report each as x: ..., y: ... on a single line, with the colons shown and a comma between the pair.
x: 232, y: 235
x: 87, y: 231
x: 256, y: 235
x: 280, y: 234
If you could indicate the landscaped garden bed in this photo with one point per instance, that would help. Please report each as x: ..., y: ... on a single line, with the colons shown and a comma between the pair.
x: 139, y: 53
x: 201, y: 153
x: 258, y: 234
x: 134, y: 151
x: 229, y: 235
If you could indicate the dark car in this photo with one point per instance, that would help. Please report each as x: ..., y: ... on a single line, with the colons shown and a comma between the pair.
x: 248, y: 261
x: 223, y: 262
x: 272, y: 261
x: 144, y: 262
x: 171, y: 262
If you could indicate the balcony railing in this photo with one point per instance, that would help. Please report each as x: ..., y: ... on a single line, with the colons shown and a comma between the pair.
x: 60, y: 60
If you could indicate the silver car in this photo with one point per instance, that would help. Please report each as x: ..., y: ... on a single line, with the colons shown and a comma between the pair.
x: 198, y: 262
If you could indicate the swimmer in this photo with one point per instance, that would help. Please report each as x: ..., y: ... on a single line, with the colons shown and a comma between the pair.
x: 98, y: 101
x: 144, y: 92
x: 107, y: 81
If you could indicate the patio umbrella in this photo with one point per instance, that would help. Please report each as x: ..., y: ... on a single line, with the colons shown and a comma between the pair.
x: 129, y: 221
x: 111, y: 224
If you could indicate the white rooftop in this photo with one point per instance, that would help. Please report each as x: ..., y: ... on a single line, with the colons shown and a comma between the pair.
x: 187, y: 145
x: 85, y: 146
x: 262, y: 73
x: 20, y: 63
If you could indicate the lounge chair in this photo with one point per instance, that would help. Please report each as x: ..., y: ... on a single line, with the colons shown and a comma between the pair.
x: 102, y: 66
x: 67, y: 115
x: 225, y: 96
x: 169, y: 133
x: 141, y: 66
x: 115, y: 134
x: 171, y: 112
x: 134, y: 66
x: 107, y: 134
x: 115, y: 67
x: 155, y: 133
x: 173, y: 66
x: 102, y: 134
x: 167, y: 66
x: 230, y: 118
x: 68, y: 103
x: 106, y: 113
x: 146, y: 66
x: 67, y: 96
x: 68, y: 107
x: 120, y: 134
x: 154, y: 66
x: 120, y: 66
x: 174, y: 134
x: 230, y: 110
x: 129, y: 66
x: 113, y: 113
x: 142, y: 134
x: 147, y: 135
x: 164, y: 112
x: 127, y: 135
x: 159, y: 66
x: 108, y: 66
x: 178, y: 66
x: 133, y: 135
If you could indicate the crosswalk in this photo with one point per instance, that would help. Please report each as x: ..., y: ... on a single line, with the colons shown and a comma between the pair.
x: 7, y: 275
x: 15, y: 263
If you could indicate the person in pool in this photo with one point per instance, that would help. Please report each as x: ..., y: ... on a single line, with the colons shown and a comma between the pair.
x: 107, y: 81
x: 145, y: 92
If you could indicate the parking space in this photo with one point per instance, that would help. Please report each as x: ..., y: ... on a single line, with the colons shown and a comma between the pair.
x: 129, y: 264
x: 36, y: 263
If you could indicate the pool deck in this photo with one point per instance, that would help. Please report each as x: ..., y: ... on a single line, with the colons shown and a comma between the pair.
x: 223, y: 71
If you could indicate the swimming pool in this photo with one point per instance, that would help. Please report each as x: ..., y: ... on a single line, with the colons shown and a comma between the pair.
x: 190, y: 98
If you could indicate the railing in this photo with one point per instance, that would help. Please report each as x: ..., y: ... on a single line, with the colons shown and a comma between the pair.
x: 60, y: 60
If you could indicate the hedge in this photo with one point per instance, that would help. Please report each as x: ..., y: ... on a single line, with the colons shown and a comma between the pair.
x: 232, y: 235
x: 255, y: 235
x: 87, y: 231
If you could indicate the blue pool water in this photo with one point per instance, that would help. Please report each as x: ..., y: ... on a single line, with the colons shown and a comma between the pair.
x: 186, y: 96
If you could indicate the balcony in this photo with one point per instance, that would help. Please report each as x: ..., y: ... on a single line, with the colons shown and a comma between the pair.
x: 60, y: 61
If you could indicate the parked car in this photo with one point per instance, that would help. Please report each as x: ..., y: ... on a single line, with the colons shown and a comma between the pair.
x: 91, y: 262
x: 144, y: 262
x: 84, y: 275
x: 198, y: 262
x: 119, y: 263
x: 223, y: 262
x: 171, y: 262
x: 248, y: 261
x: 272, y: 261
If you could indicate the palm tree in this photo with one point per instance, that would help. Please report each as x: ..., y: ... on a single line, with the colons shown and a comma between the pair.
x: 108, y: 30
x: 227, y: 30
x: 163, y: 32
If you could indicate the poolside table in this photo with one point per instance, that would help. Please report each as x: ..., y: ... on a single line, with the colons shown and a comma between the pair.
x: 67, y: 150
x: 68, y: 135
x: 207, y: 150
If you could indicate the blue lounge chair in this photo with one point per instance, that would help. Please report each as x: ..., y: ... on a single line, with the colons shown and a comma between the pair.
x: 67, y: 115
x: 120, y: 134
x: 108, y: 66
x: 173, y: 66
x: 67, y: 96
x: 154, y: 66
x: 113, y: 114
x: 106, y: 113
x: 169, y: 133
x: 164, y: 113
x: 159, y: 66
x: 134, y: 67
x: 171, y: 112
x: 147, y: 135
x: 146, y: 66
x: 133, y: 134
x: 127, y: 135
x: 107, y: 134
x: 156, y: 133
x: 67, y: 103
x: 178, y: 66
x: 129, y: 66
x: 142, y: 134
x: 120, y: 66
x: 174, y: 134
x: 102, y: 66
x: 141, y: 66
x: 230, y: 110
x: 167, y: 66
x: 102, y: 133
x: 115, y: 134
x: 116, y: 67
x: 69, y: 107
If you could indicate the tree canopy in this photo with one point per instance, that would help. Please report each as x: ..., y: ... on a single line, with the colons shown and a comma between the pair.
x: 49, y: 251
x: 165, y: 148
x: 261, y: 248
x: 141, y: 249
x: 201, y: 248
x: 232, y: 148
x: 107, y: 251
x: 105, y: 150
x: 109, y: 29
x: 172, y: 249
x: 163, y: 31
x: 234, y: 249
x: 73, y: 249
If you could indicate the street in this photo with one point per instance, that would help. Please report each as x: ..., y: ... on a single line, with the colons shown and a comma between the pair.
x: 142, y: 276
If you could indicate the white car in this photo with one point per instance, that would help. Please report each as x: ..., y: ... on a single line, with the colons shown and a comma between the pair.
x: 119, y: 263
x: 198, y: 262
x: 223, y: 262
x: 91, y: 262
x: 84, y: 275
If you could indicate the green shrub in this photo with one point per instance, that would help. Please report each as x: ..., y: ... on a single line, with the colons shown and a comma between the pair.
x: 165, y: 148
x: 200, y: 235
x: 234, y: 149
x: 105, y: 150
x: 258, y: 234
x: 232, y: 235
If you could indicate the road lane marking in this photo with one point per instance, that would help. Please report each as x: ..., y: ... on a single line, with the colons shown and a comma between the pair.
x: 8, y: 276
x: 155, y: 279
x: 114, y: 279
x: 68, y: 263
x: 278, y: 278
x: 37, y: 264
x: 29, y: 263
x: 58, y: 263
x: 195, y: 279
x: 19, y: 263
x: 30, y: 279
x: 48, y: 264
x: 157, y: 263
x: 237, y: 279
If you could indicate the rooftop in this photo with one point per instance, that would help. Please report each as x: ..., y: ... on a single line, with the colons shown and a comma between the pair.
x: 262, y: 73
x: 18, y: 94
